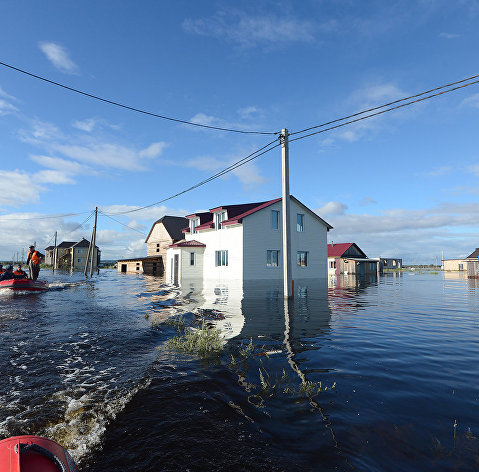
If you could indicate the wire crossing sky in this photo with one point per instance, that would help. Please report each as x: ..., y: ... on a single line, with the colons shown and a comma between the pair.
x: 398, y: 184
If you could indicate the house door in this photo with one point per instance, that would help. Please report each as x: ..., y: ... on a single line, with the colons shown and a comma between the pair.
x: 361, y: 269
x: 175, y: 269
x: 123, y: 267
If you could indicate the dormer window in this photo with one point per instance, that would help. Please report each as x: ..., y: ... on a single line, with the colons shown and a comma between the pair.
x: 194, y: 222
x: 219, y: 218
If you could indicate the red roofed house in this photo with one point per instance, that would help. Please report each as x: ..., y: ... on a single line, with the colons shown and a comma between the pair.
x: 348, y: 258
x: 244, y: 242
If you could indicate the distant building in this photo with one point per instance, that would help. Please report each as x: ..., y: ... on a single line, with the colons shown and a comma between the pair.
x: 163, y: 233
x: 389, y: 263
x: 348, y: 258
x: 469, y: 264
x: 72, y: 255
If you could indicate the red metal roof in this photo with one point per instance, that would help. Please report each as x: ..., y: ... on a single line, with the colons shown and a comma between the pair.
x: 337, y: 250
x: 191, y: 243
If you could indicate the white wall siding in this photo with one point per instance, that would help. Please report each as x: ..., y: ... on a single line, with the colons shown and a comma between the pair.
x: 227, y: 239
x: 259, y: 237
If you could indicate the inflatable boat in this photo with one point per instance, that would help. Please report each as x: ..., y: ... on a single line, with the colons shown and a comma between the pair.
x: 24, y: 284
x: 34, y: 454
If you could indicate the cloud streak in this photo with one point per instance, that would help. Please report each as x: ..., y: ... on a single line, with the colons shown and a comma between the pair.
x: 59, y: 57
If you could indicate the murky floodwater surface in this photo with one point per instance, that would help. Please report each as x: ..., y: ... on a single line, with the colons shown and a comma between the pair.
x: 377, y: 375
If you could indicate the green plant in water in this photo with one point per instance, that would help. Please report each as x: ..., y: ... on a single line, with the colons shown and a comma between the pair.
x: 176, y: 322
x: 203, y: 342
x: 248, y: 350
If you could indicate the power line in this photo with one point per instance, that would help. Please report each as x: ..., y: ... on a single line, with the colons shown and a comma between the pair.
x: 43, y: 217
x: 382, y: 111
x: 123, y: 224
x: 81, y: 224
x: 259, y: 152
x: 139, y: 110
x: 389, y: 104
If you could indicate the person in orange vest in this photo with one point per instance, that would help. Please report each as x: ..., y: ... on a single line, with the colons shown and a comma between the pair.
x: 33, y: 260
x: 2, y: 270
x: 20, y: 272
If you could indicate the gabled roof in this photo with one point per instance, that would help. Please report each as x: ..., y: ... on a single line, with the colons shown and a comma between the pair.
x: 191, y: 243
x: 66, y: 244
x: 173, y: 225
x: 236, y: 213
x: 337, y: 250
x: 83, y: 243
x: 474, y: 255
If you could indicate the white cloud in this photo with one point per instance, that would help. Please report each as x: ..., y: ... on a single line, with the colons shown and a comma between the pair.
x: 439, y: 171
x: 249, y: 31
x: 474, y: 169
x: 247, y: 113
x: 367, y: 201
x: 85, y: 125
x: 472, y: 101
x: 52, y: 177
x: 332, y: 208
x: 63, y: 165
x: 18, y: 188
x: 59, y: 57
x: 6, y: 107
x: 391, y: 231
x: 153, y: 150
x: 449, y: 35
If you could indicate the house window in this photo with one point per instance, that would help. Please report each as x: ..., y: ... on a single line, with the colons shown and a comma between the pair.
x: 394, y: 263
x: 302, y: 258
x: 79, y: 251
x: 78, y: 260
x: 221, y: 258
x: 158, y: 245
x: 299, y: 222
x: 461, y: 266
x: 372, y: 266
x: 332, y: 264
x: 193, y: 224
x: 274, y: 219
x: 192, y: 258
x: 157, y: 250
x: 272, y: 258
x: 219, y: 218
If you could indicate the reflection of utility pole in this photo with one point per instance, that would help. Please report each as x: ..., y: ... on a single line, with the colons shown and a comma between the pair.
x: 55, y: 253
x: 91, y: 247
x: 294, y: 365
x: 287, y: 280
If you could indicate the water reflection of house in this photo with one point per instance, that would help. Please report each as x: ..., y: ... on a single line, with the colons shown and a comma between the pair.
x: 72, y: 255
x: 348, y: 258
x: 469, y: 264
x: 163, y: 233
x: 232, y: 242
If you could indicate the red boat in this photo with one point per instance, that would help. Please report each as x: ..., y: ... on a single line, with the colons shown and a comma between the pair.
x: 34, y: 454
x: 24, y: 284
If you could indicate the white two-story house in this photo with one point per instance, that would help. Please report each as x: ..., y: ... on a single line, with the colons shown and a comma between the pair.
x: 244, y: 242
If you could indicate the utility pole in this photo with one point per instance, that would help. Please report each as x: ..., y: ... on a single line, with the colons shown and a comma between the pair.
x: 287, y: 280
x: 55, y: 253
x: 93, y: 243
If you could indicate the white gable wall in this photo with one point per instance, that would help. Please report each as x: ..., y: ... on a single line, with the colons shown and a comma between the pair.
x: 227, y: 239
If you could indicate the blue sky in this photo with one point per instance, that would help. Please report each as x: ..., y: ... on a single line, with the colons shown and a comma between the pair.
x: 403, y: 184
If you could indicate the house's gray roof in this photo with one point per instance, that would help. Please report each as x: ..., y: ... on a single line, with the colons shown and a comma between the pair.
x: 173, y: 225
x: 83, y: 243
x: 66, y: 244
x: 474, y: 255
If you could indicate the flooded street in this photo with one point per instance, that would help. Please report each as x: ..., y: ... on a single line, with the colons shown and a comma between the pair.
x: 377, y: 375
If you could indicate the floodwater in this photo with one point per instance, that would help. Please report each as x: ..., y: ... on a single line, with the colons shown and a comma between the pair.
x: 376, y: 375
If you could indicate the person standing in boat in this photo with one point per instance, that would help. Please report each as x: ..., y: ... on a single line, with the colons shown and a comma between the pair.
x: 33, y: 260
x: 2, y: 270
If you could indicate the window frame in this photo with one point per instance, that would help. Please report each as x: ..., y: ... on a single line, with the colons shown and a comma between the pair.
x: 220, y: 216
x: 300, y: 225
x: 300, y: 260
x: 270, y: 260
x: 221, y: 258
x: 275, y: 219
x: 192, y: 258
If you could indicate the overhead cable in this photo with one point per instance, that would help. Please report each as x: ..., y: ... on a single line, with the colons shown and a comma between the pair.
x: 139, y: 110
x: 268, y: 147
x: 43, y: 217
x: 123, y: 224
x: 389, y: 104
x: 382, y: 111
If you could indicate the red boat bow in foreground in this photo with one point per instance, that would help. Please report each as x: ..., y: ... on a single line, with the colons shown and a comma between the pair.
x: 34, y: 454
x: 24, y: 284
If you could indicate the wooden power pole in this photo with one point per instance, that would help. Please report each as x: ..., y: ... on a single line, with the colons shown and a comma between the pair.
x: 91, y: 247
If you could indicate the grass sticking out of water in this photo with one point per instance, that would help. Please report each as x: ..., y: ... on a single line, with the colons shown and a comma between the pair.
x: 203, y: 342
